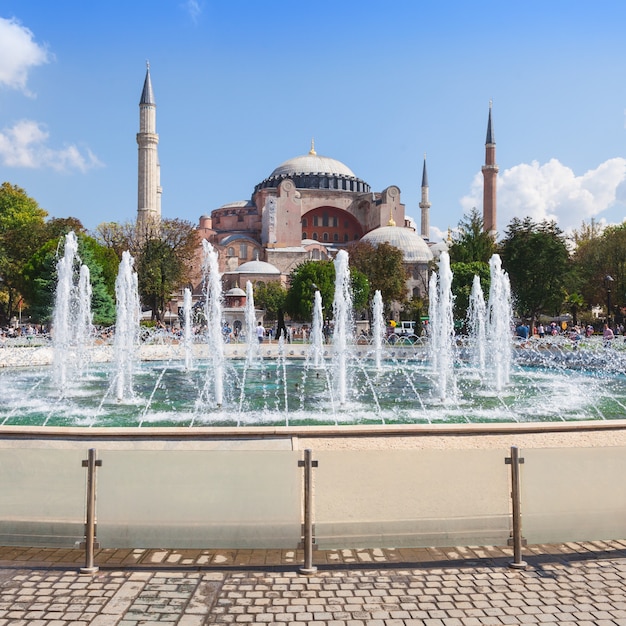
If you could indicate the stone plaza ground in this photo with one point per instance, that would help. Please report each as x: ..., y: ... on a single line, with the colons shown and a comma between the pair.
x: 577, y: 583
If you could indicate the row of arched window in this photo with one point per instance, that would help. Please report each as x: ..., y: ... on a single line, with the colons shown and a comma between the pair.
x: 326, y: 237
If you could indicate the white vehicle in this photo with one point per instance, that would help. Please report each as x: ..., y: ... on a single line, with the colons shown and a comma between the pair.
x: 405, y: 328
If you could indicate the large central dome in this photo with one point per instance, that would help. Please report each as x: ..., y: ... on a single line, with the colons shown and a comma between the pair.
x: 313, y: 164
x: 312, y: 171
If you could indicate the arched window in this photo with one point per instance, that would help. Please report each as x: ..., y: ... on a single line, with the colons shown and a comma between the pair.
x: 303, y: 235
x: 345, y: 237
x: 336, y: 237
x: 315, y: 255
x: 315, y: 236
x: 230, y: 251
x: 243, y: 251
x: 304, y: 222
x: 325, y: 236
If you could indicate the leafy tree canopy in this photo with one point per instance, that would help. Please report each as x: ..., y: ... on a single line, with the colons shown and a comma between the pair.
x: 320, y: 275
x: 21, y: 233
x: 271, y: 297
x: 462, y: 281
x: 471, y: 243
x: 384, y: 269
x: 536, y: 257
x: 40, y: 274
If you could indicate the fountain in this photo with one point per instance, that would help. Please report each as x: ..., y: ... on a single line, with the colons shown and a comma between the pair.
x: 187, y: 328
x: 72, y: 314
x: 128, y: 311
x: 439, y: 379
x: 214, y: 338
x: 378, y: 328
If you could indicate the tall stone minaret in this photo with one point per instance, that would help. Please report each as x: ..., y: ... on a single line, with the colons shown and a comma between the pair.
x: 425, y: 205
x: 490, y: 175
x: 149, y: 183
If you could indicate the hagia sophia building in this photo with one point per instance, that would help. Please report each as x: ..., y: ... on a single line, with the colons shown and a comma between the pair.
x: 307, y: 208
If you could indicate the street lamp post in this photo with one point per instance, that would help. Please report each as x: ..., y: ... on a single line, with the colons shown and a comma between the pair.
x: 607, y: 283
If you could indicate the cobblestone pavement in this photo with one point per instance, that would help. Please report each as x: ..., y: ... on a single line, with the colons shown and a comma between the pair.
x: 566, y: 584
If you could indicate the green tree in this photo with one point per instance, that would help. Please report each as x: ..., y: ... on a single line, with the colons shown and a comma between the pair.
x: 164, y: 260
x: 462, y: 281
x: 536, y: 257
x: 40, y: 275
x: 21, y: 229
x: 383, y: 266
x: 471, y: 243
x: 271, y: 297
x: 310, y: 276
x: 159, y: 273
x: 574, y: 302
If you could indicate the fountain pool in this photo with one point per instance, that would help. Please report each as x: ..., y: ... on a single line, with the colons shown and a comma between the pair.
x: 548, y: 382
x: 201, y: 381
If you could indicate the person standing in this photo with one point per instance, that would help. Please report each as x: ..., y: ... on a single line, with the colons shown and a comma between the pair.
x: 260, y: 332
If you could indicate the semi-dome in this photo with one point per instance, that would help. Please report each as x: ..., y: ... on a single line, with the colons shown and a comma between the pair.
x: 257, y: 267
x: 312, y: 171
x: 414, y: 248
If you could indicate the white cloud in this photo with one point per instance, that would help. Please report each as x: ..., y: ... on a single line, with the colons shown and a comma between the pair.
x: 553, y: 192
x: 18, y: 54
x: 193, y: 8
x: 25, y: 145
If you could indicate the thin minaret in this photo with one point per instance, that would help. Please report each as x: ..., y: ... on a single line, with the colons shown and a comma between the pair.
x: 149, y: 184
x: 490, y: 175
x: 425, y: 205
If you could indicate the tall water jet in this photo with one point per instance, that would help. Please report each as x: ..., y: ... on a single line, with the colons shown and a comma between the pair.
x: 187, y: 329
x: 343, y: 323
x: 442, y: 327
x: 499, y: 324
x: 378, y: 327
x: 213, y: 315
x: 252, y: 341
x: 476, y: 323
x: 316, y: 352
x: 128, y: 313
x: 71, y: 320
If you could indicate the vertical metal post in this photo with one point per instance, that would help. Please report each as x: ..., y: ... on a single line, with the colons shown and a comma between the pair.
x: 90, y: 524
x: 308, y: 569
x: 515, y: 461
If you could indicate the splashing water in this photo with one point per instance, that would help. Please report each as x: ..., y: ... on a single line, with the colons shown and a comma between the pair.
x: 316, y: 351
x: 72, y: 322
x: 378, y: 327
x: 128, y: 312
x: 213, y: 315
x: 499, y: 323
x: 476, y: 322
x: 442, y: 328
x: 343, y: 330
x: 187, y: 329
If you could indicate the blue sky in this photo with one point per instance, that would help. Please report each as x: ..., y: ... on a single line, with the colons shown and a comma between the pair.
x: 242, y: 86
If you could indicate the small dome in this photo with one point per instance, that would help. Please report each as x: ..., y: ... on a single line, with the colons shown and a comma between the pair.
x: 414, y: 248
x: 438, y: 248
x: 235, y: 292
x: 257, y: 267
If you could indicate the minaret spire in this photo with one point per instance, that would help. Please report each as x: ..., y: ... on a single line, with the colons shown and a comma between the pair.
x: 490, y: 175
x: 425, y: 204
x: 149, y: 187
